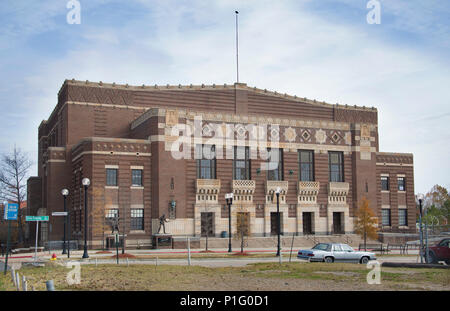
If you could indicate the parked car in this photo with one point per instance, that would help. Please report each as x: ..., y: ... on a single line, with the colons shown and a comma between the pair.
x: 439, y: 252
x: 331, y: 252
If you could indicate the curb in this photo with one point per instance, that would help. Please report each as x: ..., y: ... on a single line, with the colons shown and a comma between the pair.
x: 413, y: 265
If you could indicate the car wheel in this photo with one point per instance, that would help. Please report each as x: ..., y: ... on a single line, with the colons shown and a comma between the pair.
x: 364, y: 260
x: 328, y: 259
x: 431, y: 258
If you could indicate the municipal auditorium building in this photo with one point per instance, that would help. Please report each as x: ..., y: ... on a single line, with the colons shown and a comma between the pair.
x: 177, y: 150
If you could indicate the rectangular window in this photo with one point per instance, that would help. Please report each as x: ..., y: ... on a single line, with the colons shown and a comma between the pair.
x: 336, y: 166
x: 403, y: 217
x: 306, y: 165
x: 385, y: 216
x: 137, y: 219
x: 401, y: 183
x: 275, y: 171
x: 385, y: 183
x: 206, y: 161
x: 241, y: 163
x: 136, y: 177
x: 111, y: 177
x: 112, y: 213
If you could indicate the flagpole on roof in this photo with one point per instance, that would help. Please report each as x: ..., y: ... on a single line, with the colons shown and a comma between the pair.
x: 237, y: 49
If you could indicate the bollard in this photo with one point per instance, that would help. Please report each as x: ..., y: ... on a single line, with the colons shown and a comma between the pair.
x: 127, y: 262
x: 279, y: 257
x: 156, y: 260
x: 18, y: 281
x: 50, y: 285
x: 24, y: 283
x: 13, y: 276
x: 96, y: 262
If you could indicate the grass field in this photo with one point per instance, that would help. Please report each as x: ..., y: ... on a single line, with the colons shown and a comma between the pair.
x: 262, y: 276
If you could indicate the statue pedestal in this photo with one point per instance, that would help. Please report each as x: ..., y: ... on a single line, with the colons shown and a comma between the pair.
x: 161, y: 241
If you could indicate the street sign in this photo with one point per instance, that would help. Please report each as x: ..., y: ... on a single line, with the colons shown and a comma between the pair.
x: 11, y: 211
x: 36, y: 218
x: 59, y: 214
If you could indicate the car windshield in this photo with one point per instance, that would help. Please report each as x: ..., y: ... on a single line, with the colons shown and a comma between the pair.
x: 322, y: 247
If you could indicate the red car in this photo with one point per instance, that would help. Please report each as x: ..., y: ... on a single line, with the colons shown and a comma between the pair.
x: 439, y: 252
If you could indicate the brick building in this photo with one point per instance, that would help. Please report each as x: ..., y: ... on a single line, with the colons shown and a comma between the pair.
x: 123, y: 139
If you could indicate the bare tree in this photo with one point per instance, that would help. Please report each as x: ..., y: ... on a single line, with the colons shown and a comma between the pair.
x: 14, y: 168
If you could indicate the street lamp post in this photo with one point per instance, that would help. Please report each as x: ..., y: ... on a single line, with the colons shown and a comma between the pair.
x: 86, y: 182
x: 229, y: 198
x: 70, y: 228
x: 420, y: 197
x: 277, y: 192
x: 65, y: 193
x: 427, y: 258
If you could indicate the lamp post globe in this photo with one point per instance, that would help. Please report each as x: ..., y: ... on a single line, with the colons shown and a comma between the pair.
x: 86, y: 182
x: 65, y: 193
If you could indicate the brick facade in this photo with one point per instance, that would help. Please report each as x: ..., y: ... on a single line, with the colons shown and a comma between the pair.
x: 96, y: 126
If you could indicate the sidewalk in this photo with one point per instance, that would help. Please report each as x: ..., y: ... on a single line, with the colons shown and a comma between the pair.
x: 77, y: 254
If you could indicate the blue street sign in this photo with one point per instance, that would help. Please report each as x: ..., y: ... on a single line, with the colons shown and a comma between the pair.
x: 11, y: 211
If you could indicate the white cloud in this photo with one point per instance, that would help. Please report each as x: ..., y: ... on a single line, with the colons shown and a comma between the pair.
x: 283, y: 48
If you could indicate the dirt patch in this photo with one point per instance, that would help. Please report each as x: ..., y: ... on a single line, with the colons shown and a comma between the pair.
x: 103, y: 252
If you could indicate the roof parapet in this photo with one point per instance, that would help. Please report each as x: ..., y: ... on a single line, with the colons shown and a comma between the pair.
x: 242, y: 86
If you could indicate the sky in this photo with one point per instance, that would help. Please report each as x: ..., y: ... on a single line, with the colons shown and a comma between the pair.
x: 319, y: 49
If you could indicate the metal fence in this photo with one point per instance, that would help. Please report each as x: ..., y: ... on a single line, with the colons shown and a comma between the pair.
x: 56, y: 245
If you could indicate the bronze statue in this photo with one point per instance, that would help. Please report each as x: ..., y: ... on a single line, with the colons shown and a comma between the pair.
x: 162, y: 221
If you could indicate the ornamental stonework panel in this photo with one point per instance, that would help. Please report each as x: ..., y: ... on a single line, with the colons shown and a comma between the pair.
x: 171, y: 117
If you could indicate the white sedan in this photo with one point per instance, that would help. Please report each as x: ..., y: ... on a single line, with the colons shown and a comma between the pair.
x: 331, y: 252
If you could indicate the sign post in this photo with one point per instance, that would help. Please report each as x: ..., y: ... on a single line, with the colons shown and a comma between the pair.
x: 11, y: 211
x: 37, y: 219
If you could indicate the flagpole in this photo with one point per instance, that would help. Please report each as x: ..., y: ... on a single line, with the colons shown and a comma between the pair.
x: 237, y: 48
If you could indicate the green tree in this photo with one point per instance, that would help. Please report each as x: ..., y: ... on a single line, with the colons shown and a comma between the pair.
x: 365, y: 221
x: 437, y: 205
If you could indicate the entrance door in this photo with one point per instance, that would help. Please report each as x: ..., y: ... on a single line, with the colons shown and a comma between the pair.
x: 243, y: 223
x: 337, y: 223
x: 207, y: 224
x: 307, y: 223
x: 274, y: 223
